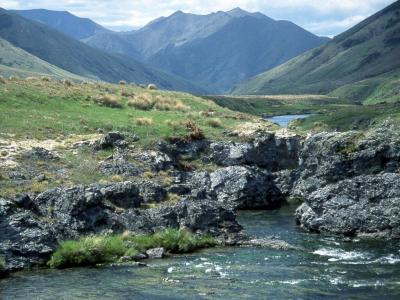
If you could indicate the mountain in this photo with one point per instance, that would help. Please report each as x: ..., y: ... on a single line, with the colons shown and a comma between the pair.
x: 15, y: 61
x: 358, y: 64
x: 65, y: 22
x: 217, y: 50
x: 76, y: 57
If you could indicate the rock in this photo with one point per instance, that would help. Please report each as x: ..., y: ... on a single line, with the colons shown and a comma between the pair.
x: 267, y: 151
x: 155, y: 253
x: 25, y: 239
x: 151, y: 191
x: 366, y: 204
x: 327, y: 158
x: 188, y: 150
x: 110, y: 140
x: 119, y: 166
x: 40, y: 153
x: 156, y: 160
x: 269, y: 243
x: 237, y: 187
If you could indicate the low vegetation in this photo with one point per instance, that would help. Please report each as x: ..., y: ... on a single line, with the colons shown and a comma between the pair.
x: 89, y: 251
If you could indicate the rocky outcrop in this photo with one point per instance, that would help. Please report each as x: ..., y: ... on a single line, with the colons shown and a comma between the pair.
x: 110, y: 140
x: 30, y: 229
x: 267, y: 151
x: 237, y: 187
x: 350, y: 183
x: 366, y: 205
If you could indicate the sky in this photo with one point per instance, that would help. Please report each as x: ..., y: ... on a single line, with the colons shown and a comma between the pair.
x: 322, y: 17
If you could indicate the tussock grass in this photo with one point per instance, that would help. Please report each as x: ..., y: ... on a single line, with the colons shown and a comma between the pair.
x: 109, y: 101
x: 146, y: 101
x: 89, y: 251
x: 2, y: 80
x: 152, y: 87
x: 144, y: 121
x: 215, y: 122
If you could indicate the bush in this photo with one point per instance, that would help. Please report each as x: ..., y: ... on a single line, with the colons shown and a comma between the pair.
x: 110, y: 101
x: 122, y: 82
x: 2, y: 80
x: 142, y: 102
x: 144, y: 121
x: 67, y: 82
x: 13, y: 78
x: 152, y: 86
x: 45, y: 79
x: 216, y: 123
x: 89, y: 251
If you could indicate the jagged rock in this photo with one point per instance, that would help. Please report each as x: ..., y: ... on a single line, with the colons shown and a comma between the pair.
x: 267, y: 151
x: 110, y: 140
x: 155, y: 253
x: 119, y: 167
x: 151, y: 191
x: 40, y: 153
x: 189, y: 150
x: 269, y: 243
x: 327, y: 158
x: 25, y: 239
x: 156, y: 160
x: 237, y: 187
x: 367, y: 204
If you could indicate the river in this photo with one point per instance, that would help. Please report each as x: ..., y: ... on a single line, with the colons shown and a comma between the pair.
x: 330, y: 268
x: 283, y: 121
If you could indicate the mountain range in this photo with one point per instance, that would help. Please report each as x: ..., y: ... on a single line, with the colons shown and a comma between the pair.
x: 215, y: 51
x: 361, y: 64
x: 76, y: 57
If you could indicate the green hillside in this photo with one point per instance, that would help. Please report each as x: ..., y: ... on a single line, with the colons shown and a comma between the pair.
x: 369, y: 51
x: 74, y: 56
x: 17, y: 62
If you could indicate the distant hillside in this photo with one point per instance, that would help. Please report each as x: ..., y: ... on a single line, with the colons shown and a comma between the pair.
x: 217, y: 50
x: 359, y: 64
x: 71, y: 55
x: 15, y: 61
x: 73, y: 26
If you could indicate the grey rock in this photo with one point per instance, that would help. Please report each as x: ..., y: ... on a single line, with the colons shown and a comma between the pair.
x: 366, y: 204
x: 237, y: 187
x: 40, y: 153
x: 269, y: 243
x: 151, y: 191
x: 110, y: 140
x: 155, y: 253
x: 157, y: 161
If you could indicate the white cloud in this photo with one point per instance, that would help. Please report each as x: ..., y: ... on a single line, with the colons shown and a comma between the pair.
x: 324, y: 17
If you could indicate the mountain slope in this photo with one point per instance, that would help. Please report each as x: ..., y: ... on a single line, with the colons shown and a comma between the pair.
x: 15, y: 61
x: 352, y: 65
x: 71, y: 55
x: 65, y: 22
x: 217, y: 50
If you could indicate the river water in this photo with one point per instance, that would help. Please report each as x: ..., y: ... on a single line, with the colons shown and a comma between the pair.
x: 283, y: 121
x: 330, y: 268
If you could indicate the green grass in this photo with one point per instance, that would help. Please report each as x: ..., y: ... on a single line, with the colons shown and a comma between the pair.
x: 273, y: 105
x: 43, y: 110
x: 89, y: 251
x: 360, y: 117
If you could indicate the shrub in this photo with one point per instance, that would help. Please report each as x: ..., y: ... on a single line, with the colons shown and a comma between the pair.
x: 13, y: 78
x: 216, y: 123
x: 110, y: 101
x: 142, y: 102
x: 45, y: 79
x: 144, y: 121
x: 67, y: 82
x: 122, y: 82
x: 152, y: 86
x: 2, y: 80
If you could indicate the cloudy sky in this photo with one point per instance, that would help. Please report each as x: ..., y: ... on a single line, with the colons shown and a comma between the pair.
x: 322, y: 17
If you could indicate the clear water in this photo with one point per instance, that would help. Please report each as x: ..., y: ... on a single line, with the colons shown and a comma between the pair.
x: 284, y: 121
x: 329, y: 269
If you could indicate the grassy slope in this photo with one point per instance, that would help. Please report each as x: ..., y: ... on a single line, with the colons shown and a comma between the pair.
x: 274, y: 105
x: 38, y: 109
x: 15, y: 61
x: 78, y: 58
x: 365, y: 51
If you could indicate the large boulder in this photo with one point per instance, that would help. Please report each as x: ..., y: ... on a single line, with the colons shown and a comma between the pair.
x: 367, y: 204
x: 237, y: 187
x: 267, y: 151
